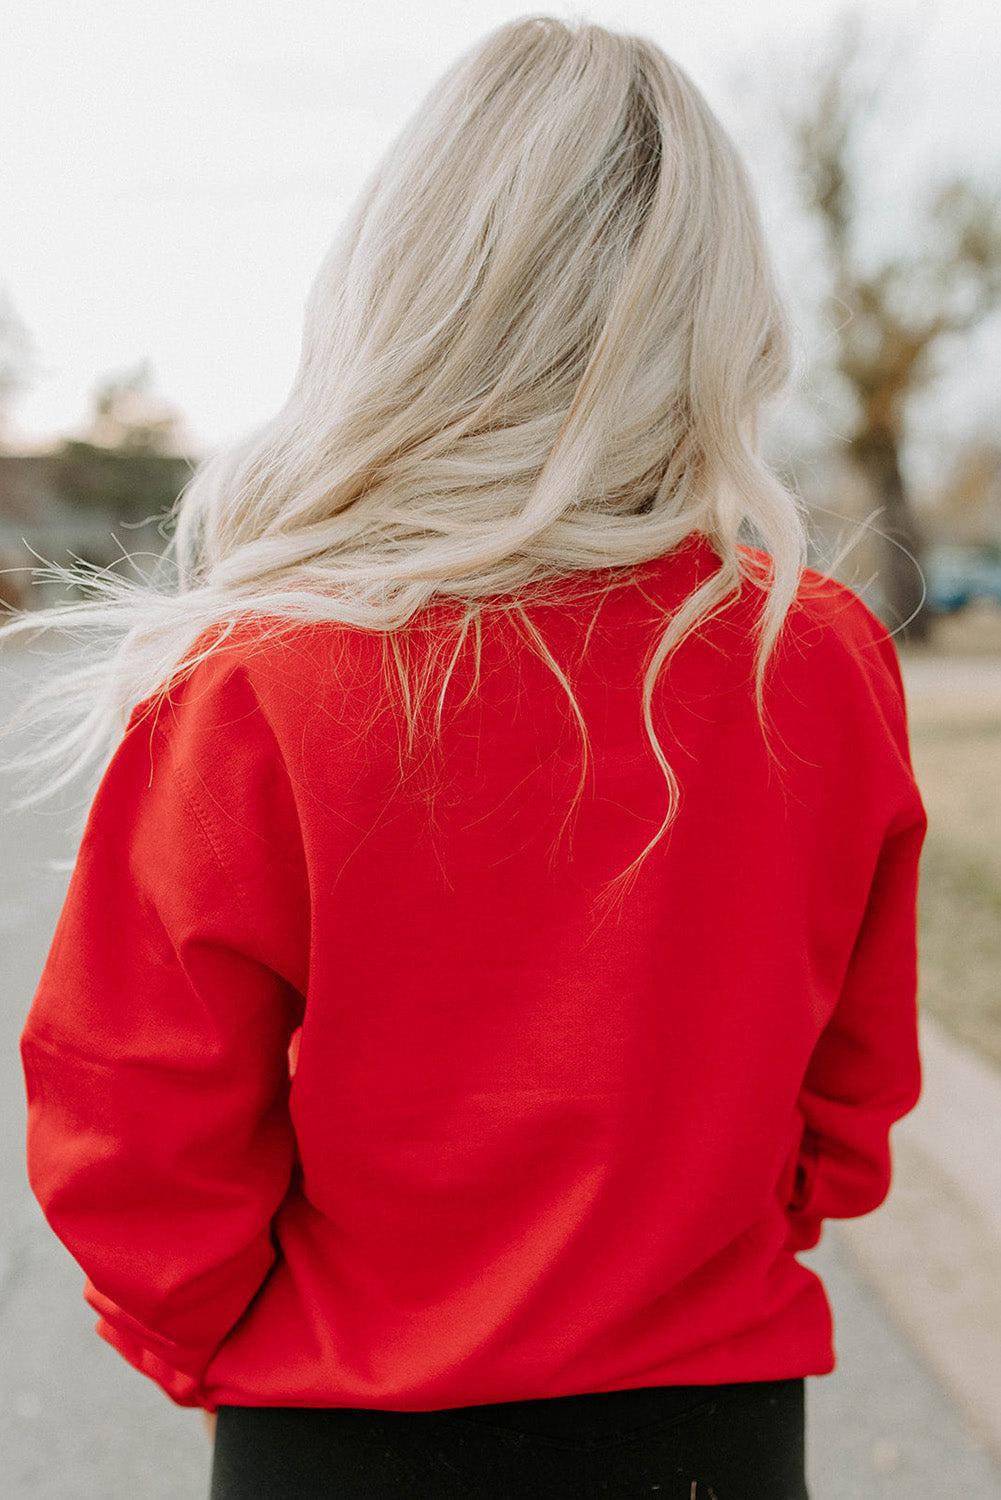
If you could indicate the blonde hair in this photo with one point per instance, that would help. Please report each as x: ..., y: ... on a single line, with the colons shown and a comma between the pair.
x: 537, y: 347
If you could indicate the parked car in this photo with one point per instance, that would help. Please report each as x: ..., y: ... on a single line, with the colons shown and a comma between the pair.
x: 957, y: 576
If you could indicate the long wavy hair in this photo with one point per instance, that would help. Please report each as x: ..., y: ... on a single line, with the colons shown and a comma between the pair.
x: 537, y: 347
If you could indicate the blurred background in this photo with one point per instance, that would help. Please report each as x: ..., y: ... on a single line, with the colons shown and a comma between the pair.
x: 171, y: 177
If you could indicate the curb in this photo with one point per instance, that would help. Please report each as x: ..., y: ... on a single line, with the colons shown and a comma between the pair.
x: 933, y: 1248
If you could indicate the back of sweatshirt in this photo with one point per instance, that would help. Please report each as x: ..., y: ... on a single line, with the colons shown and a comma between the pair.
x: 346, y: 1089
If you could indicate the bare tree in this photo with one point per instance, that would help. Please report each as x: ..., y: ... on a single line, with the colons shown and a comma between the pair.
x: 967, y: 507
x: 127, y: 415
x: 889, y: 319
x: 130, y: 461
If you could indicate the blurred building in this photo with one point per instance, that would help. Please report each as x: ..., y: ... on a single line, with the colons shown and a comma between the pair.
x: 79, y: 502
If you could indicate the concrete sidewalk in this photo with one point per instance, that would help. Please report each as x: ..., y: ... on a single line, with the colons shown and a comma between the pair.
x: 932, y: 1251
x: 882, y: 1426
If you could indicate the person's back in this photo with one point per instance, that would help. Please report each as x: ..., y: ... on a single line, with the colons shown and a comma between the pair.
x: 489, y: 1054
x: 536, y: 1145
x: 546, y: 1146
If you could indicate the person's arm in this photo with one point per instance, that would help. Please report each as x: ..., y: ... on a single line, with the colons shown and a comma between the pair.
x: 865, y: 1071
x: 155, y: 1050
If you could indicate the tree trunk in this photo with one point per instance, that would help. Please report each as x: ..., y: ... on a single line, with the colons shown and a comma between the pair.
x: 901, y: 543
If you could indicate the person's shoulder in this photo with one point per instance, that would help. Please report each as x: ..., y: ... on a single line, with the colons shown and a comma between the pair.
x: 852, y: 661
x: 840, y: 661
x: 836, y: 613
x: 240, y: 673
x: 215, y: 736
x: 830, y: 621
x: 821, y: 600
x: 836, y: 651
x: 834, y: 605
x: 200, y: 689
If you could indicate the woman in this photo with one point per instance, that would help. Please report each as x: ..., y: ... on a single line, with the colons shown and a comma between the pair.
x: 478, y: 979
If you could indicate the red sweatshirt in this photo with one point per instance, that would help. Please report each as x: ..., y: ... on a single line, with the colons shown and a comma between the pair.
x: 340, y: 1092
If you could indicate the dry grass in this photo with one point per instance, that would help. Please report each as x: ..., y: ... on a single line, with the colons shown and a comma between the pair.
x: 954, y: 701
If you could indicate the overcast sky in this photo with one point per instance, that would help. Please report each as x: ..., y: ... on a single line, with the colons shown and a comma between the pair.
x: 171, y: 174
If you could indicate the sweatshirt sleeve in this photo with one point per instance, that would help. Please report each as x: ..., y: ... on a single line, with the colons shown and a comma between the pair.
x: 865, y: 1071
x: 156, y: 1048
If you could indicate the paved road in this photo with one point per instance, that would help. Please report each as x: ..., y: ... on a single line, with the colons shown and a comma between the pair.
x: 77, y: 1423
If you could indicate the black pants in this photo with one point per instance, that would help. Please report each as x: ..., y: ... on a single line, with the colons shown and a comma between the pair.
x: 741, y: 1441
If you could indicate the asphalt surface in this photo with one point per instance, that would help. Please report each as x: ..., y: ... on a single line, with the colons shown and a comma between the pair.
x: 77, y: 1423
